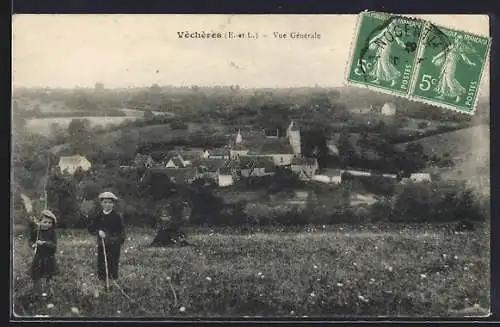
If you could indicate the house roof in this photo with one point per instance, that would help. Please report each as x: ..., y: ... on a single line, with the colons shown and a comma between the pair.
x: 158, y: 155
x: 180, y: 175
x: 177, y: 161
x: 219, y: 152
x: 273, y: 146
x: 331, y: 172
x: 252, y: 134
x: 225, y: 170
x: 212, y: 164
x: 191, y: 154
x: 140, y: 159
x: 304, y: 161
x: 257, y: 162
x: 420, y: 174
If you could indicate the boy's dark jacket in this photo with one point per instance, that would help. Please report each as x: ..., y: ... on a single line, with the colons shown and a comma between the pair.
x: 112, y: 224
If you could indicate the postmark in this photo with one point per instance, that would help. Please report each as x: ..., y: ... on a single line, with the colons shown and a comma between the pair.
x: 385, y: 52
x: 418, y: 60
x: 450, y: 74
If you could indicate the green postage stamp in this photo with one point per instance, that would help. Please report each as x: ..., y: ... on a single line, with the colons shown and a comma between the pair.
x: 418, y: 60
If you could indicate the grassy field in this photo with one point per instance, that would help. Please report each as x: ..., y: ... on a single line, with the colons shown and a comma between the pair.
x: 328, y: 271
x: 468, y: 141
x: 43, y: 125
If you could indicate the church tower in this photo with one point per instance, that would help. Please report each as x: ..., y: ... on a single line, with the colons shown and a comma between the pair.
x: 293, y: 134
x: 239, y: 138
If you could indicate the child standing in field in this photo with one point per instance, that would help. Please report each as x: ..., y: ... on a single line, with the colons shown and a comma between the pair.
x: 108, y: 226
x: 44, y: 242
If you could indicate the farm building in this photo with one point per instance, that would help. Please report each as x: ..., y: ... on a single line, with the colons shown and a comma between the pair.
x: 177, y: 176
x: 357, y: 172
x: 176, y: 161
x: 189, y: 153
x: 238, y: 151
x: 256, y: 166
x: 225, y: 177
x: 280, y: 151
x: 210, y: 168
x: 218, y: 153
x: 304, y: 167
x: 72, y: 163
x: 143, y: 161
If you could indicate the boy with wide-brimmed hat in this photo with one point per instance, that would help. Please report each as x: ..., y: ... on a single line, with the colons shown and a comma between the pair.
x: 108, y: 226
x: 44, y: 242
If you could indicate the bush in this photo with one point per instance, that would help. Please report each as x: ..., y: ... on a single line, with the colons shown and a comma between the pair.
x: 378, y: 185
x: 380, y: 211
x: 436, y: 202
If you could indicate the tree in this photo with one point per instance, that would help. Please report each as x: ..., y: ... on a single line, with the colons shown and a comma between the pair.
x: 415, y: 157
x: 79, y: 135
x: 57, y: 133
x: 62, y: 199
x: 347, y: 151
x: 91, y: 190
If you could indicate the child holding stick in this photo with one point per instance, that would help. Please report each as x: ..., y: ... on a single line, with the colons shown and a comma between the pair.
x: 44, y: 242
x: 108, y: 226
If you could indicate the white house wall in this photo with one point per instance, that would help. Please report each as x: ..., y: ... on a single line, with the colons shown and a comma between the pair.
x: 282, y: 159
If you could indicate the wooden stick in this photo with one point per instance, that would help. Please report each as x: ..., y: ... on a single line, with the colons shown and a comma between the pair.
x: 105, y: 262
x: 37, y: 238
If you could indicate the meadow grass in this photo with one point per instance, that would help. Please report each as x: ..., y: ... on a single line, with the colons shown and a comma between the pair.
x: 412, y: 271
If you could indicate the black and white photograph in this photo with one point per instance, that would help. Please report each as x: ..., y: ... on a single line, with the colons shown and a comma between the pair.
x: 219, y: 166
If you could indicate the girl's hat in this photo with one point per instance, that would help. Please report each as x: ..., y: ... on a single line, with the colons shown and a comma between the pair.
x: 108, y: 195
x: 49, y: 214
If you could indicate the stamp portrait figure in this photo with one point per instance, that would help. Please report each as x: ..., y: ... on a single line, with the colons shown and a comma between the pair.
x: 448, y: 85
x: 383, y: 69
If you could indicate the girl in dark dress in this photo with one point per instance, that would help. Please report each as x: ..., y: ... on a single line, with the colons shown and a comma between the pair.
x: 108, y: 225
x: 172, y: 218
x: 44, y: 242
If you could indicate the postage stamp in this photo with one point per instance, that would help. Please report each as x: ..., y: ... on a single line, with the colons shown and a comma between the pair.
x: 449, y: 72
x: 418, y: 60
x: 385, y: 52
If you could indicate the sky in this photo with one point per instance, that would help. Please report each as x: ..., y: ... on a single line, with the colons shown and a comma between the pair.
x: 139, y: 50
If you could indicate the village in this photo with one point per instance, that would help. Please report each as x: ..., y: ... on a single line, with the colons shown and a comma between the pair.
x: 251, y: 153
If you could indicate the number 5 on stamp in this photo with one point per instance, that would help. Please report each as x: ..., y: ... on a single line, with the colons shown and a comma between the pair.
x: 385, y: 52
x: 450, y: 67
